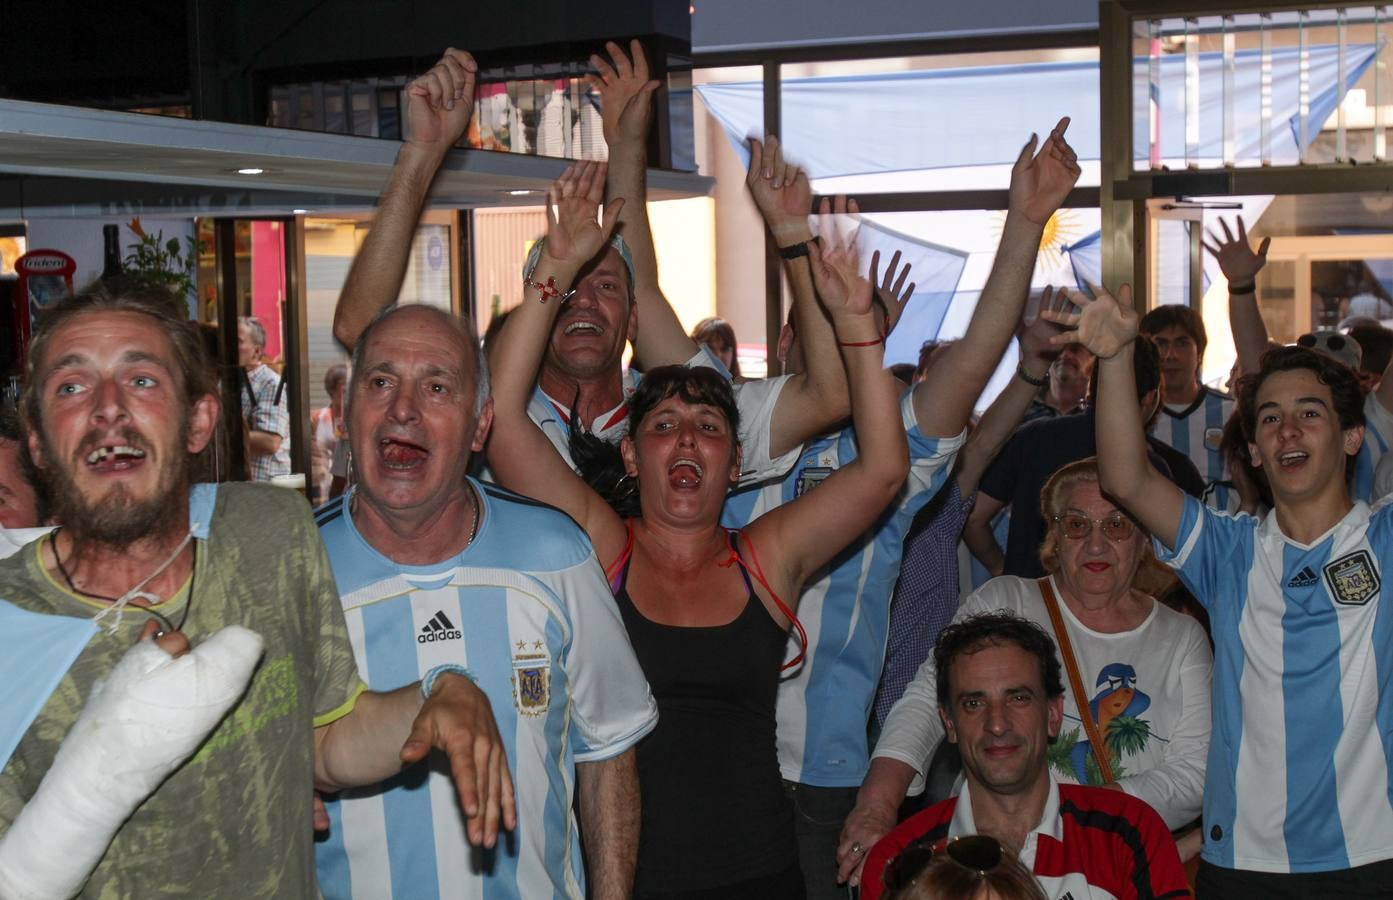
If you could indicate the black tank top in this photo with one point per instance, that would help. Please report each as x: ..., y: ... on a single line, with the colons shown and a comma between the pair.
x: 714, y: 810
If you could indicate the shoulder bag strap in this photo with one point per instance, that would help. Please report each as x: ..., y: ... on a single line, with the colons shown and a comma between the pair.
x: 1066, y: 653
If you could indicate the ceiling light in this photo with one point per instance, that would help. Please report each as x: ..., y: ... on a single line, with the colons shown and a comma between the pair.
x: 521, y: 193
x: 250, y: 170
x: 299, y: 212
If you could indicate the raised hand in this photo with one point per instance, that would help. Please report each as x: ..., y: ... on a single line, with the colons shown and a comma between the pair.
x: 626, y: 93
x: 895, y: 296
x: 835, y: 263
x: 1235, y: 256
x: 781, y: 192
x: 1103, y: 323
x: 440, y: 103
x: 1037, y: 338
x: 1040, y: 182
x: 573, y: 234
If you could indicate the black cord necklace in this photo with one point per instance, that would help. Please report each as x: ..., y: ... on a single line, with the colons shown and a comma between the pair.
x: 164, y: 621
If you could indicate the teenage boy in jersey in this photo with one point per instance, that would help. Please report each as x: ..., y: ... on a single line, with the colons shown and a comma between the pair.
x: 1241, y: 265
x: 1297, y: 798
x: 824, y: 706
x: 1001, y: 699
x: 1192, y: 416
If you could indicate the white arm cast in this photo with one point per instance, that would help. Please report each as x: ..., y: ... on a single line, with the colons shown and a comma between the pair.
x: 140, y: 724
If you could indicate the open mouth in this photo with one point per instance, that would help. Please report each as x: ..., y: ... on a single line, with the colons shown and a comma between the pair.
x: 1096, y: 567
x: 583, y: 328
x: 1293, y: 458
x: 401, y: 455
x: 685, y: 472
x: 115, y: 457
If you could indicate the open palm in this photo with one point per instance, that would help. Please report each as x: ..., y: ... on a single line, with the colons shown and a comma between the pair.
x: 1103, y: 323
x: 573, y: 233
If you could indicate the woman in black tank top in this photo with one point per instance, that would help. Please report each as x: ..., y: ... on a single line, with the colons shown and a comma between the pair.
x: 710, y: 639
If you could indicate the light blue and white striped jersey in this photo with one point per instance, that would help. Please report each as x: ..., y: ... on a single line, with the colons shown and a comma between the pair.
x: 1378, y: 434
x: 824, y: 706
x: 525, y: 606
x: 1302, y: 744
x: 1196, y: 431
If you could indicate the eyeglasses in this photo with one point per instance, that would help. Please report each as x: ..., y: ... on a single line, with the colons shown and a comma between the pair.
x: 978, y: 853
x: 1077, y: 526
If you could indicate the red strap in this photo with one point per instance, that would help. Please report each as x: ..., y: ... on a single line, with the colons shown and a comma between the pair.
x: 616, y: 567
x: 758, y: 574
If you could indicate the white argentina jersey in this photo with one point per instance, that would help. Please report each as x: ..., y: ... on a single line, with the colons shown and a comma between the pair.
x: 527, y: 609
x: 1299, y: 758
x: 1378, y: 434
x: 823, y: 707
x: 1196, y: 431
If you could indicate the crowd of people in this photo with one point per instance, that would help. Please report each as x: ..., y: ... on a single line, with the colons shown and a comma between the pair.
x: 567, y: 629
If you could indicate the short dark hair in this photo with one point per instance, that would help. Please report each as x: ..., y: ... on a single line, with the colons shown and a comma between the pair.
x: 1146, y: 369
x: 1176, y: 315
x: 601, y: 464
x: 1377, y: 344
x: 992, y: 629
x: 1341, y: 379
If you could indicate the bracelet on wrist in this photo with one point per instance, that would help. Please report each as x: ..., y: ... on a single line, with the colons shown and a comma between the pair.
x: 1025, y: 376
x: 842, y: 343
x: 548, y: 290
x: 428, y: 682
x: 794, y: 251
x: 1247, y: 287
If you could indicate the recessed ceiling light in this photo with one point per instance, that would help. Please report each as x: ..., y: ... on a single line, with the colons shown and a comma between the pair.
x: 250, y: 170
x: 521, y: 193
x: 299, y: 212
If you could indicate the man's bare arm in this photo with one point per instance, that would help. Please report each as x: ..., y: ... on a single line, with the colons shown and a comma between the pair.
x: 439, y: 105
x: 1240, y: 265
x: 1107, y: 326
x: 1039, y: 183
x: 1001, y: 418
x: 816, y: 398
x: 977, y: 534
x: 608, y: 794
x: 263, y: 443
x: 626, y: 109
x: 386, y: 730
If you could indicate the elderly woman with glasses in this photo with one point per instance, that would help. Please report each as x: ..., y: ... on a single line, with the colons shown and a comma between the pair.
x: 1144, y: 671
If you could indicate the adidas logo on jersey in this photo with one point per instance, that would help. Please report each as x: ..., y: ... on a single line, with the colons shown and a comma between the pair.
x: 439, y: 628
x: 1304, y: 578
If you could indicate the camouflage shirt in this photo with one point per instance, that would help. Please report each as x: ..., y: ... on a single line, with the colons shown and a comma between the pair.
x: 234, y: 821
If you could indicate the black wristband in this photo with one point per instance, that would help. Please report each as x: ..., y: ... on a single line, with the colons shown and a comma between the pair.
x: 1247, y: 287
x: 793, y: 251
x: 1025, y: 376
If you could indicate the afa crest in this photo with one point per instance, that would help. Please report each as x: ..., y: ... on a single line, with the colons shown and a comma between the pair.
x: 1353, y: 579
x: 531, y: 683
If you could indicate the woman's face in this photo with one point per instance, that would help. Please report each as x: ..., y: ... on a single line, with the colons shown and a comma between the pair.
x: 1095, y: 564
x: 725, y: 352
x: 685, y: 457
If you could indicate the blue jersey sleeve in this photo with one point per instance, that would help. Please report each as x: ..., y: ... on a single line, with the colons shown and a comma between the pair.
x: 1213, y: 551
